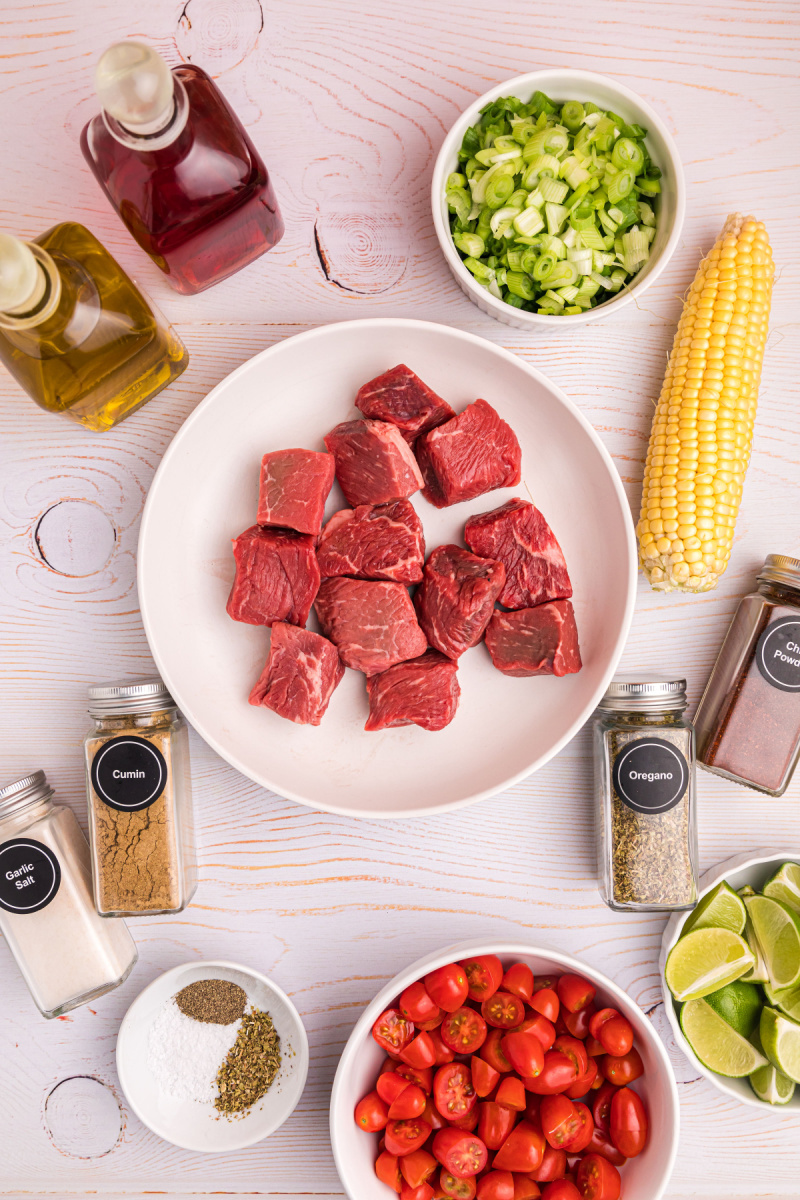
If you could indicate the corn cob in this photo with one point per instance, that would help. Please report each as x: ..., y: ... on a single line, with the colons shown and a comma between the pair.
x: 703, y: 425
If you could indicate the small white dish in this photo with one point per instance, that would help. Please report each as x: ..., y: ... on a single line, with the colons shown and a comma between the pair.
x: 643, y: 1178
x: 563, y: 84
x: 187, y: 1123
x: 753, y: 869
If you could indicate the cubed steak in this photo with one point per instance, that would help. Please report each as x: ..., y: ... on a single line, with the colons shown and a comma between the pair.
x: 400, y: 396
x: 374, y: 463
x: 535, y: 641
x: 293, y: 488
x: 382, y: 541
x: 372, y: 625
x: 473, y: 453
x: 277, y: 576
x: 421, y: 692
x: 302, y: 672
x: 456, y: 598
x: 518, y: 535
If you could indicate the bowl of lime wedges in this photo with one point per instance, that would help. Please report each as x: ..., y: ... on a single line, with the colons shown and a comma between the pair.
x: 730, y: 974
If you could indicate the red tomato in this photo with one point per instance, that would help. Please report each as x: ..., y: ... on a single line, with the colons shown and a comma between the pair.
x: 545, y: 981
x: 628, y: 1123
x: 416, y: 1004
x: 533, y: 1111
x: 423, y: 1192
x: 593, y: 1047
x: 421, y: 1052
x: 562, y: 1189
x: 496, y: 1185
x: 574, y: 1049
x: 545, y: 1030
x: 575, y: 992
x: 601, y: 1144
x: 560, y: 1121
x: 583, y: 1084
x: 423, y: 1076
x: 547, y: 1003
x: 492, y: 1051
x: 484, y: 1077
x: 463, y: 1031
x: 583, y: 1136
x: 624, y: 1069
x: 553, y: 1165
x: 416, y: 1168
x: 495, y: 1122
x: 453, y: 1091
x: 390, y: 1085
x: 525, y: 1188
x: 518, y: 980
x: 511, y: 1093
x: 577, y: 1023
x: 601, y: 1108
x: 612, y: 1031
x: 484, y: 975
x: 558, y: 1073
x: 404, y: 1137
x: 524, y: 1052
x: 429, y: 1026
x: 443, y: 1053
x: 392, y: 1031
x: 448, y: 986
x: 597, y: 1179
x: 522, y: 1150
x: 503, y: 1011
x: 468, y: 1121
x: 433, y: 1116
x: 410, y: 1103
x: 459, y: 1189
x: 387, y: 1168
x: 460, y: 1153
x: 372, y: 1113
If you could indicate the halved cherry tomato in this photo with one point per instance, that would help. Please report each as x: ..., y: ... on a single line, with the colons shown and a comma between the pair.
x: 496, y: 1185
x: 484, y: 1077
x: 484, y: 975
x: 583, y: 1136
x: 372, y: 1113
x: 522, y: 1150
x: 410, y: 1103
x: 511, y: 1093
x: 612, y: 1031
x: 558, y: 1073
x: 467, y: 1121
x: 404, y: 1137
x: 433, y: 1116
x: 495, y: 1122
x: 518, y: 980
x: 577, y: 1023
x: 453, y: 1091
x: 390, y: 1085
x: 492, y: 1052
x: 545, y: 981
x: 387, y: 1168
x: 574, y: 1049
x: 545, y: 1030
x: 601, y: 1143
x: 463, y: 1031
x: 525, y: 1188
x: 423, y: 1192
x: 462, y: 1154
x: 459, y: 1189
x: 421, y: 1052
x: 597, y: 1179
x: 423, y: 1076
x: 524, y: 1052
x: 443, y: 1053
x: 418, y: 1167
x: 575, y: 992
x: 561, y: 1189
x: 447, y: 986
x: 628, y: 1122
x: 503, y: 1011
x: 583, y: 1084
x: 601, y: 1108
x: 392, y: 1031
x: 552, y: 1166
x: 546, y: 1002
x: 560, y: 1121
x: 415, y: 1003
x: 593, y: 1047
x: 624, y: 1069
x: 434, y: 1023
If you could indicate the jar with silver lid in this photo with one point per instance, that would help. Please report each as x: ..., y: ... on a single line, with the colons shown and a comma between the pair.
x: 140, y: 800
x: 644, y: 771
x: 66, y: 953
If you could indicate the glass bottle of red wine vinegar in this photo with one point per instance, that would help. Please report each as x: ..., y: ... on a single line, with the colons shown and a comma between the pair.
x: 179, y: 168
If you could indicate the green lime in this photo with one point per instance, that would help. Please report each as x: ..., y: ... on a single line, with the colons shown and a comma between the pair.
x: 746, y: 891
x: 780, y: 1038
x: 720, y: 909
x: 718, y: 1047
x: 786, y: 999
x: 739, y: 1004
x: 759, y: 973
x: 704, y: 961
x: 785, y: 886
x: 771, y: 1085
x: 777, y: 928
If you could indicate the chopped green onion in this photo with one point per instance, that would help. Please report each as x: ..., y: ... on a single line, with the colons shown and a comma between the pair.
x: 627, y: 156
x: 591, y: 238
x: 650, y: 187
x: 556, y: 299
x: 568, y: 293
x: 459, y: 201
x: 556, y: 216
x: 572, y: 114
x: 501, y: 220
x: 633, y: 131
x: 543, y: 267
x: 553, y: 190
x: 536, y: 198
x: 542, y: 103
x: 529, y: 222
x: 646, y: 214
x: 520, y: 285
x: 481, y: 272
x: 635, y: 249
x: 620, y: 186
x: 471, y: 244
x: 498, y: 190
x: 553, y: 245
x: 582, y: 259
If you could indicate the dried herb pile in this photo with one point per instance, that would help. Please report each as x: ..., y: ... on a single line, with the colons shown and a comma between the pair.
x: 251, y: 1065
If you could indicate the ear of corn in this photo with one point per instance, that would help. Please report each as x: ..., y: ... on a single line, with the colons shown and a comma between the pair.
x: 703, y: 425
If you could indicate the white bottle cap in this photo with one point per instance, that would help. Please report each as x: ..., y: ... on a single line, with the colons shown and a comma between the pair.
x: 21, y: 282
x: 135, y: 87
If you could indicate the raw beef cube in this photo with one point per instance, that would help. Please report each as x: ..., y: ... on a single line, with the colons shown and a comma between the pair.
x: 302, y: 672
x: 456, y: 598
x: 384, y: 541
x: 535, y: 641
x: 518, y: 535
x: 473, y: 453
x: 401, y: 397
x: 421, y: 692
x: 293, y: 488
x: 277, y: 576
x: 373, y: 462
x: 372, y: 625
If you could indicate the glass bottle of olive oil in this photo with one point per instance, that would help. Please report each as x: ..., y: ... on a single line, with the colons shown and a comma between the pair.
x: 76, y: 333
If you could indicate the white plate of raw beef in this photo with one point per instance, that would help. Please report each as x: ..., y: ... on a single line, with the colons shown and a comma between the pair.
x: 217, y: 662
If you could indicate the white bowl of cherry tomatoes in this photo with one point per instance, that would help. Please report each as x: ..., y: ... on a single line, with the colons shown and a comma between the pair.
x: 493, y: 1071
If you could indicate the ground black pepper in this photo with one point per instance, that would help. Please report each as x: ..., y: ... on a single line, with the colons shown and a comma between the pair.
x: 213, y: 1001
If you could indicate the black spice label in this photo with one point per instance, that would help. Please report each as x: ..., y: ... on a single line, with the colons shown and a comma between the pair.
x: 129, y: 773
x: 651, y: 775
x: 778, y: 654
x: 30, y: 875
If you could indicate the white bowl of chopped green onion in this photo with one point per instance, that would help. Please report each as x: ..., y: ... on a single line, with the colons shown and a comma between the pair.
x: 557, y: 197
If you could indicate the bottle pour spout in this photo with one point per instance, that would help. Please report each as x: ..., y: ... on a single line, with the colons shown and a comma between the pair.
x: 22, y: 281
x: 135, y: 87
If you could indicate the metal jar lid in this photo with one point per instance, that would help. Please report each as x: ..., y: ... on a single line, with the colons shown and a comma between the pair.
x: 25, y: 791
x: 779, y: 568
x: 136, y: 696
x: 653, y: 693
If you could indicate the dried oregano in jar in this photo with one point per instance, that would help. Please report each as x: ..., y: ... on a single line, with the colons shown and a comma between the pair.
x: 645, y: 802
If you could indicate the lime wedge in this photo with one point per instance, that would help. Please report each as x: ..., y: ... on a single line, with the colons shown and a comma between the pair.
x: 771, y: 1085
x: 718, y: 1047
x: 739, y: 1004
x: 786, y: 999
x: 704, y: 961
x: 759, y: 973
x: 720, y: 909
x: 777, y: 928
x: 785, y: 886
x: 780, y: 1038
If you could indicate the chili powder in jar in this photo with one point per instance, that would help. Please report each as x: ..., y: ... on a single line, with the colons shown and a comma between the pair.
x: 748, y: 720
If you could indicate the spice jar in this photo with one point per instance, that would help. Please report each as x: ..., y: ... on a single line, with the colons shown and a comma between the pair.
x: 644, y: 765
x: 748, y: 720
x: 66, y: 953
x: 140, y: 803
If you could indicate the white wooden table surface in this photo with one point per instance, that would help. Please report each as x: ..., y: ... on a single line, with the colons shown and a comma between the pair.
x: 348, y: 101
